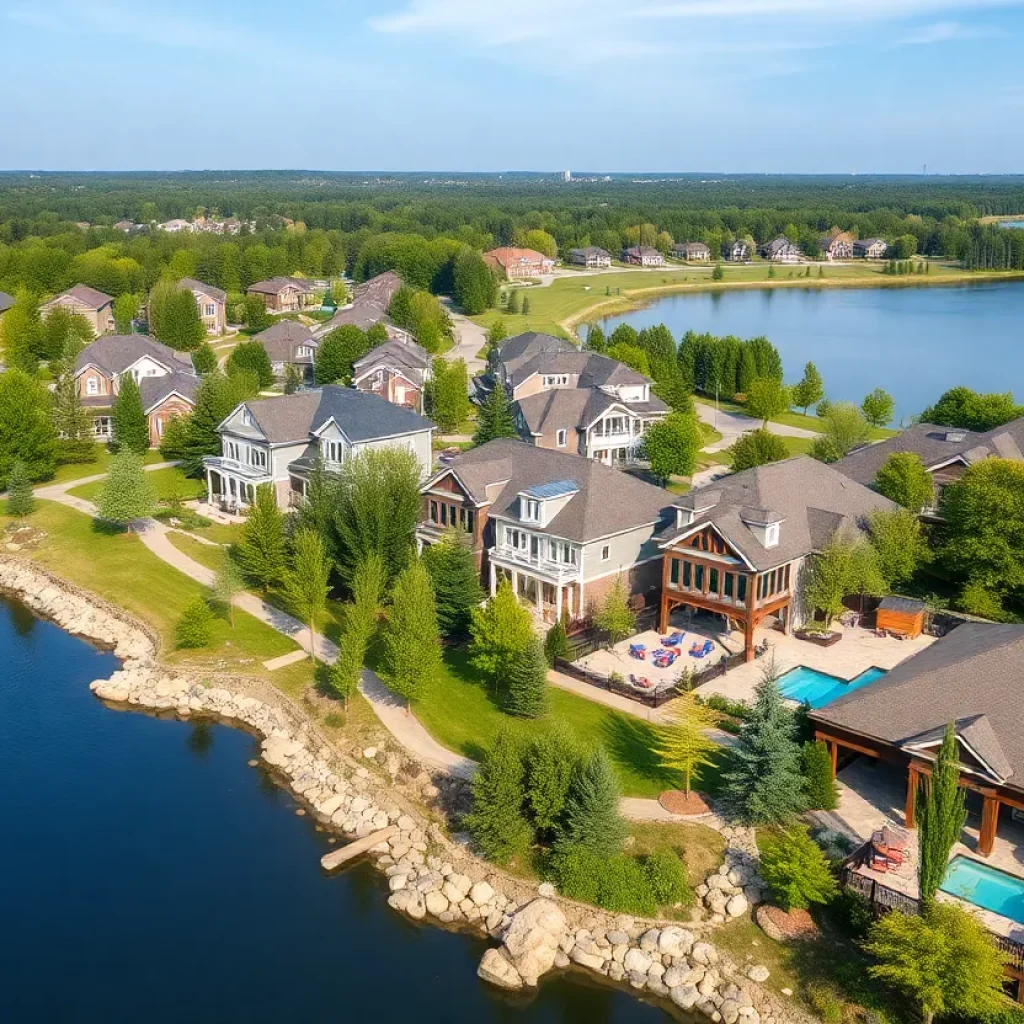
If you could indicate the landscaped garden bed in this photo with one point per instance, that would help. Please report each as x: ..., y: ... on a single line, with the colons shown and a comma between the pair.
x: 827, y: 639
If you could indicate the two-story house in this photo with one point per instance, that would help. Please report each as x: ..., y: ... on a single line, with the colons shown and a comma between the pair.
x: 590, y: 256
x: 870, y: 248
x: 737, y: 251
x: 397, y: 370
x: 211, y: 303
x: 643, y: 256
x: 289, y: 343
x: 740, y: 545
x: 285, y: 294
x: 279, y: 441
x: 166, y: 379
x: 559, y: 527
x: 837, y: 246
x: 94, y: 305
x: 781, y: 250
x: 945, y: 451
x: 691, y: 252
x: 369, y: 306
x: 512, y: 262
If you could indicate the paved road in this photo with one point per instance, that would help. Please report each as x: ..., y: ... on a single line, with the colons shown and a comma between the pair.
x: 469, y: 339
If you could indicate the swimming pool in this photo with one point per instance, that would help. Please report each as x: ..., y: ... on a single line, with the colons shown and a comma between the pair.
x: 985, y: 887
x: 819, y: 688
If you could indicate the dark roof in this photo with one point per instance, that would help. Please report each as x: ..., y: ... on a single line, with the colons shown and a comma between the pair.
x: 778, y: 244
x: 379, y: 290
x: 590, y: 250
x: 936, y: 445
x: 901, y: 604
x: 971, y: 677
x: 277, y: 284
x: 369, y: 306
x: 360, y: 415
x: 866, y: 243
x: 281, y: 339
x: 114, y: 353
x: 530, y: 353
x: 810, y: 498
x: 608, y: 501
x: 406, y: 356
x: 576, y: 408
x: 690, y: 247
x: 155, y: 389
x: 92, y: 297
x: 207, y: 289
x: 6, y: 301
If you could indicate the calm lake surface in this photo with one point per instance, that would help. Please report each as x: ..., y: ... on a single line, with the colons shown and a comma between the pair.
x: 148, y: 874
x: 914, y: 342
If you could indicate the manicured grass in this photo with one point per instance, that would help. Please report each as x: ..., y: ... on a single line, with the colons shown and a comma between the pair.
x: 461, y: 714
x: 700, y: 847
x: 78, y: 470
x: 204, y: 554
x: 799, y: 445
x: 792, y: 419
x: 166, y: 483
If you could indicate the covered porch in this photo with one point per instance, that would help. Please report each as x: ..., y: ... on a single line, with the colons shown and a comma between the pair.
x: 231, y: 486
x: 551, y: 594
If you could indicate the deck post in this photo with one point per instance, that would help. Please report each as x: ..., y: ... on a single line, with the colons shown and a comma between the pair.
x: 748, y: 624
x: 909, y: 811
x: 833, y: 749
x: 989, y: 822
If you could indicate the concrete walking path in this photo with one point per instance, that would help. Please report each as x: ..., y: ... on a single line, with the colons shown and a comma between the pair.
x: 732, y: 424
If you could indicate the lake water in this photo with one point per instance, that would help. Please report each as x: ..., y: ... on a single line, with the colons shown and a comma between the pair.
x: 147, y: 874
x: 914, y: 342
x: 1011, y: 223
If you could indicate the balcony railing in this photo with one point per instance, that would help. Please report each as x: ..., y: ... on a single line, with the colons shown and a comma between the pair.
x: 548, y: 566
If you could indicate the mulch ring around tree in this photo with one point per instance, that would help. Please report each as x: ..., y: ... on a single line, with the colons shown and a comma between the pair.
x: 687, y: 805
x: 783, y: 926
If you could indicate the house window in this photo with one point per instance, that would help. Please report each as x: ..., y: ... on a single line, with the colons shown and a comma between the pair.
x: 467, y: 519
x: 92, y: 386
x: 741, y: 589
x: 698, y: 577
x: 332, y: 451
x: 560, y: 439
x: 444, y: 513
x: 729, y: 578
x: 231, y: 450
x: 562, y: 552
x: 531, y: 510
x: 433, y: 512
x: 210, y: 309
x: 713, y: 580
x: 673, y: 572
x: 257, y: 458
x: 556, y: 380
x: 101, y: 426
x: 606, y: 553
x: 687, y: 575
x: 518, y: 540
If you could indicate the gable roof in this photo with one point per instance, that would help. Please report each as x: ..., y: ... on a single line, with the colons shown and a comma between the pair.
x: 811, y: 499
x: 155, y: 389
x: 608, y: 501
x: 936, y: 446
x: 281, y: 340
x: 114, y: 353
x: 590, y: 250
x: 509, y: 255
x: 360, y: 415
x: 971, y: 677
x: 576, y: 408
x: 207, y: 289
x: 370, y: 302
x: 91, y: 297
x: 407, y: 356
x: 275, y: 285
x: 530, y: 353
x: 6, y: 301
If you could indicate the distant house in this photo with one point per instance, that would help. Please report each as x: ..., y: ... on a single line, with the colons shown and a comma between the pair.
x: 515, y: 263
x: 284, y: 294
x: 837, y: 246
x: 395, y: 370
x: 6, y: 301
x: 870, y: 248
x: 591, y: 256
x: 124, y: 225
x: 166, y: 379
x: 212, y: 303
x: 735, y: 252
x: 175, y: 225
x: 691, y: 251
x: 278, y: 441
x: 289, y: 343
x: 781, y: 250
x: 369, y: 306
x: 94, y: 305
x: 643, y: 256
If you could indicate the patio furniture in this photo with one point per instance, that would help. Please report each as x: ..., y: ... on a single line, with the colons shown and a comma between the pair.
x: 642, y: 681
x: 697, y: 651
x: 665, y: 659
x: 638, y: 651
x: 675, y: 640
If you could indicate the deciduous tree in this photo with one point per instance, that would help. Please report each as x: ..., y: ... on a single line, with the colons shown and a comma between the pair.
x: 904, y: 479
x: 878, y: 407
x: 684, y: 745
x: 411, y: 642
x: 614, y: 616
x: 500, y: 631
x: 901, y: 547
x: 261, y: 544
x: 338, y: 353
x: 456, y: 582
x: 756, y: 448
x: 767, y: 398
x: 255, y: 315
x: 359, y: 624
x: 475, y: 286
x: 306, y: 581
x: 843, y: 428
x: 671, y: 446
x: 596, y: 341
x: 970, y: 410
x: 810, y: 390
x: 27, y: 433
x: 847, y: 565
x: 251, y: 356
x: 126, y: 309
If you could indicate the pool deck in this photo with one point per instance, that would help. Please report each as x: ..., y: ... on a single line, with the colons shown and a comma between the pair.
x: 858, y: 651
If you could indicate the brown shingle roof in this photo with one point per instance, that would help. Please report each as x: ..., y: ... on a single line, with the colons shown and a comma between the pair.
x: 207, y: 289
x: 281, y: 339
x: 91, y: 297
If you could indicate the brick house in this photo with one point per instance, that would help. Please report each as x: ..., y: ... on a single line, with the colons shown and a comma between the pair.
x: 211, y: 302
x: 285, y: 294
x: 396, y: 370
x: 94, y: 305
x: 512, y: 262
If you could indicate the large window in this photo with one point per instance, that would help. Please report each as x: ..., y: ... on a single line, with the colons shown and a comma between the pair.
x: 562, y: 552
x: 332, y: 451
x: 257, y: 458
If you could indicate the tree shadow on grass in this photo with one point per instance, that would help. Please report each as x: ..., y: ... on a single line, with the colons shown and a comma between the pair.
x: 633, y: 744
x: 105, y: 528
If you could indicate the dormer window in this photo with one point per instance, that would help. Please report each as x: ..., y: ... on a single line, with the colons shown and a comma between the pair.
x: 246, y: 418
x: 530, y: 510
x: 332, y: 451
x: 556, y: 380
x: 92, y: 386
x: 560, y: 438
x: 771, y: 535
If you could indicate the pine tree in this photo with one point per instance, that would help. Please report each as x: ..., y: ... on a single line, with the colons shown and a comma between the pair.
x: 217, y: 397
x: 764, y: 785
x: 261, y: 546
x: 495, y: 417
x: 73, y: 424
x: 553, y: 758
x: 526, y: 305
x: 591, y: 818
x: 501, y: 631
x: 512, y: 306
x: 130, y: 426
x: 194, y: 627
x: 410, y: 638
x: 685, y: 747
x: 20, y: 500
x: 26, y: 426
x: 127, y: 494
x: 174, y: 439
x: 307, y: 581
x: 456, y: 582
x: 822, y: 794
x: 556, y: 643
x: 497, y: 823
x: 204, y: 359
x: 252, y: 356
x: 941, y: 815
x: 359, y: 625
x: 227, y: 584
x: 526, y: 694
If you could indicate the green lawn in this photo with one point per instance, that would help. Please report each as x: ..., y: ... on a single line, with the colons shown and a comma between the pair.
x: 461, y: 715
x: 204, y: 554
x: 791, y: 419
x: 166, y: 484
x: 700, y: 847
x: 78, y: 470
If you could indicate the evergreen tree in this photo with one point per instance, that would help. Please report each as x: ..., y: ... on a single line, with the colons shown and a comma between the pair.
x: 261, y: 544
x: 495, y: 417
x: 227, y: 585
x: 127, y: 494
x: 252, y: 356
x: 591, y: 818
x: 822, y: 794
x: 497, y: 823
x: 810, y: 390
x: 27, y: 434
x: 796, y: 870
x: 501, y: 631
x: 317, y: 508
x: 512, y: 305
x: 746, y: 369
x: 359, y: 624
x: 941, y: 815
x: 685, y: 747
x: 496, y: 334
x: 72, y: 423
x: 596, y: 341
x: 456, y: 582
x: 764, y: 785
x: 718, y: 274
x: 194, y: 627
x: 255, y: 315
x: 292, y: 379
x: 130, y: 426
x: 447, y: 394
x: 20, y: 500
x: 526, y: 694
x: 204, y: 359
x: 338, y: 353
x: 307, y: 580
x: 410, y: 640
x: 554, y: 756
x: 526, y: 305
x: 217, y: 397
x: 174, y: 439
x: 615, y: 617
x: 556, y: 643
x: 174, y: 317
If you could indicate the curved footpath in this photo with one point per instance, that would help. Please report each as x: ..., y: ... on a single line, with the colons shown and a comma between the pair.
x: 427, y: 874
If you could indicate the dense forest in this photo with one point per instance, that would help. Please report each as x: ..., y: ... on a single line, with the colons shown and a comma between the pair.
x: 57, y: 229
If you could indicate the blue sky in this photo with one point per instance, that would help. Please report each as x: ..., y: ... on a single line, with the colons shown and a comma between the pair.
x: 478, y: 85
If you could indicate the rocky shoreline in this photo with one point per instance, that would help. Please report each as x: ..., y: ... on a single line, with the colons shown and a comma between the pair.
x: 428, y: 875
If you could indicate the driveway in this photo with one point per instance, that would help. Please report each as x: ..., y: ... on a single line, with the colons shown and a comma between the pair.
x: 469, y: 339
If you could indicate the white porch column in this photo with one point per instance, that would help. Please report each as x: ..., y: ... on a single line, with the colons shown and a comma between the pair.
x: 558, y: 603
x: 538, y: 593
x: 581, y: 609
x: 494, y: 578
x: 515, y: 582
x: 209, y: 486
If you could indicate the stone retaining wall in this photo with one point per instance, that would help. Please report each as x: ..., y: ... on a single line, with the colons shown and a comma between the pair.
x: 428, y: 875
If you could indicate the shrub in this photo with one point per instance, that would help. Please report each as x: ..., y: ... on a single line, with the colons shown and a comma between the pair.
x: 820, y: 787
x: 734, y: 708
x: 796, y: 870
x: 194, y: 627
x: 556, y: 643
x: 578, y: 873
x: 666, y: 875
x: 625, y: 887
x: 853, y: 911
x: 497, y: 823
x: 553, y: 758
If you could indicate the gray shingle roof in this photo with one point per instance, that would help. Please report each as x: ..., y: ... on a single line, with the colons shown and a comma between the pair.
x: 207, y: 289
x: 811, y: 498
x: 114, y: 353
x: 609, y: 501
x: 92, y: 297
x: 576, y: 408
x: 6, y: 301
x: 530, y: 353
x: 155, y: 389
x: 281, y: 339
x: 411, y: 359
x: 930, y: 442
x: 370, y: 303
x: 361, y: 415
x: 276, y: 284
x: 971, y: 677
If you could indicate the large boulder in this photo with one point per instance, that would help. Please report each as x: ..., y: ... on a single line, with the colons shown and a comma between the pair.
x: 496, y: 968
x: 533, y: 936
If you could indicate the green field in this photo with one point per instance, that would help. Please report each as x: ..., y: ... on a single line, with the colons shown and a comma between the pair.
x: 166, y: 483
x: 79, y: 470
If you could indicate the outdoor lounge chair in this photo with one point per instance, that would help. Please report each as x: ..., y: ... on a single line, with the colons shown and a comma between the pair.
x: 675, y: 640
x: 642, y: 681
x: 638, y: 651
x: 665, y: 659
x: 697, y: 651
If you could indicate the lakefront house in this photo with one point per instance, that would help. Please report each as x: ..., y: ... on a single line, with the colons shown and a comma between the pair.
x: 781, y: 250
x: 96, y: 306
x: 691, y: 252
x: 512, y: 262
x: 870, y: 248
x: 558, y: 527
x: 166, y: 379
x: 278, y: 441
x: 643, y: 256
x: 590, y: 256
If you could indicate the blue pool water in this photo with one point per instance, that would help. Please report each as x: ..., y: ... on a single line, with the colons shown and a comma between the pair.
x: 819, y: 688
x: 986, y: 887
